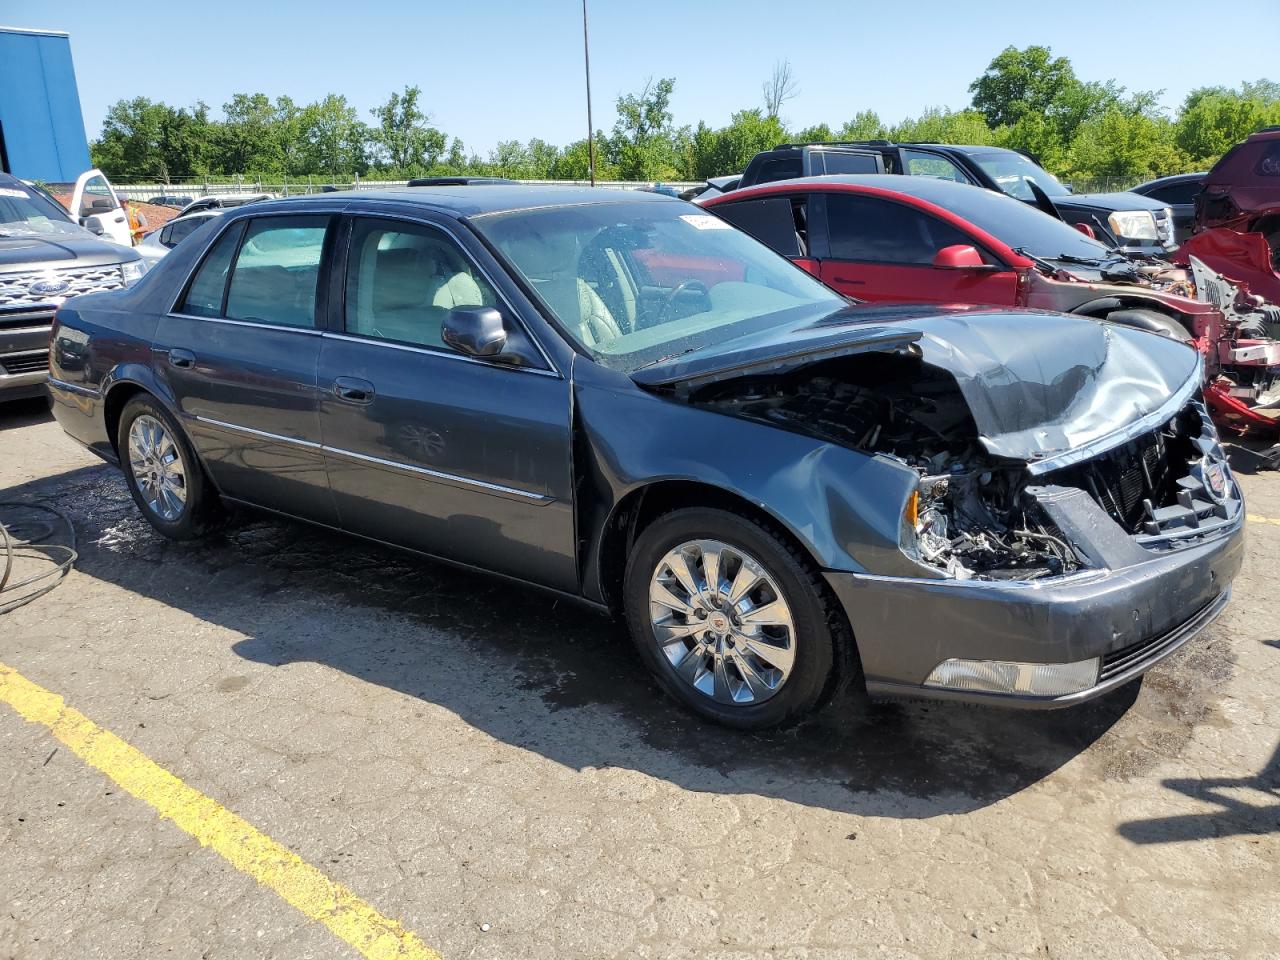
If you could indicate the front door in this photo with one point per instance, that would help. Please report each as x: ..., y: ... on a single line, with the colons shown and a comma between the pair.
x: 239, y: 352
x: 428, y: 448
x: 880, y: 249
x: 94, y: 197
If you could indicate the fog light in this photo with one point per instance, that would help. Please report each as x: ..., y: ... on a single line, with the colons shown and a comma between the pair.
x: 1004, y: 676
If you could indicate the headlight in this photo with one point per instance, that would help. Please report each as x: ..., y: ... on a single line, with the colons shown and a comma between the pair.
x: 1007, y: 676
x: 1164, y: 225
x: 132, y: 271
x: 1134, y: 225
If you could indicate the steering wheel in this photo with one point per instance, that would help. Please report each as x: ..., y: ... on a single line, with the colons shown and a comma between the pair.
x: 685, y: 288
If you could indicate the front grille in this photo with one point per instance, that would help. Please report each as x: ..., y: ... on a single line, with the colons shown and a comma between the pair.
x: 25, y: 363
x: 15, y: 288
x: 1118, y: 661
x: 1172, y: 481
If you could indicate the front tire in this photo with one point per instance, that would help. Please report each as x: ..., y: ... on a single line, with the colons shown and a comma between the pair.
x: 165, y: 478
x: 733, y: 619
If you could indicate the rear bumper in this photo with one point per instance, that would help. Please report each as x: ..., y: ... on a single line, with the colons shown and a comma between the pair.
x: 1130, y: 618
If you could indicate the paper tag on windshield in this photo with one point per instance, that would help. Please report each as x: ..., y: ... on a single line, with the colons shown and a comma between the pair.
x: 704, y: 221
x: 10, y: 192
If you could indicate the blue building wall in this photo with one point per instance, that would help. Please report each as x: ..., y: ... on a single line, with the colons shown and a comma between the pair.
x: 40, y: 119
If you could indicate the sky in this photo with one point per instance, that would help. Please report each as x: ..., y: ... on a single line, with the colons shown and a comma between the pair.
x: 504, y: 70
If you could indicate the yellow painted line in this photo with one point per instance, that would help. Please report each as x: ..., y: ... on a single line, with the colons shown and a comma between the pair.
x: 298, y: 883
x: 1259, y: 518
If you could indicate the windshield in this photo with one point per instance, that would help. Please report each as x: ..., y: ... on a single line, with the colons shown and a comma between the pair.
x: 634, y: 283
x: 1011, y: 171
x: 1023, y: 227
x: 25, y: 213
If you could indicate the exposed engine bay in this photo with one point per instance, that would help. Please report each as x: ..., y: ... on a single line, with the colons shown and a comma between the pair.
x: 972, y: 517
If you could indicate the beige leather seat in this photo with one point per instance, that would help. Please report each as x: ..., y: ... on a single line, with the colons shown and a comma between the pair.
x: 550, y: 262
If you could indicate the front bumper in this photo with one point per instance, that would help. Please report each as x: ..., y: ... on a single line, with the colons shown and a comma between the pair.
x: 24, y: 353
x: 1131, y: 618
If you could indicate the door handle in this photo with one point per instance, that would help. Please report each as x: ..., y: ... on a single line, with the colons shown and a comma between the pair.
x: 849, y: 280
x: 183, y: 359
x: 353, y: 390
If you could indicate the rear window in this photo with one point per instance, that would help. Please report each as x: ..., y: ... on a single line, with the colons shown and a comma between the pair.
x: 783, y: 168
x: 770, y: 220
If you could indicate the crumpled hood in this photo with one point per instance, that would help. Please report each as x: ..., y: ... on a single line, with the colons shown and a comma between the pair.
x: 1044, y: 388
x: 1052, y: 389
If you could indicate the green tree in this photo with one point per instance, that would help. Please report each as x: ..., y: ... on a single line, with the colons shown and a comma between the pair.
x: 940, y: 125
x: 818, y: 133
x: 573, y: 163
x: 865, y: 125
x: 333, y: 138
x: 1019, y: 82
x: 644, y: 141
x: 729, y: 149
x: 250, y: 139
x: 1214, y: 119
x: 1126, y: 145
x: 148, y: 140
x: 403, y: 137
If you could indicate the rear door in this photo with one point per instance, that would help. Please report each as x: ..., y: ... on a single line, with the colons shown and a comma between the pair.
x: 239, y: 351
x: 881, y: 249
x: 428, y: 448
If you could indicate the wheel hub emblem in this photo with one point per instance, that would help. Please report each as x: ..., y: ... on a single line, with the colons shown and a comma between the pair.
x: 719, y: 623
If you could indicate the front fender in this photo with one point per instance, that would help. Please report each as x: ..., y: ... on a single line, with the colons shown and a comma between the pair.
x: 845, y: 507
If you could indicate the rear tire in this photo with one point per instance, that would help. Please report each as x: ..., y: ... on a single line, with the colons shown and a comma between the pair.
x: 747, y: 658
x: 164, y: 476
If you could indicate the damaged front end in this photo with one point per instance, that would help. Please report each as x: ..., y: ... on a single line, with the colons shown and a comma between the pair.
x: 1041, y: 445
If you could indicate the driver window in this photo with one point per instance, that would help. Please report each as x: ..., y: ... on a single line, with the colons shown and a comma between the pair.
x: 402, y: 281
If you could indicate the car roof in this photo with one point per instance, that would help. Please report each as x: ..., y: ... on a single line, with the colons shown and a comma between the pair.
x: 471, y: 200
x: 931, y: 189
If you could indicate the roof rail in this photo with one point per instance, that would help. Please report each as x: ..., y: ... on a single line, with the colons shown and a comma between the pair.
x: 835, y: 143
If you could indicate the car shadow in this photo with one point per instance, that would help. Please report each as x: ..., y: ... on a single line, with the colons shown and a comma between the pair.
x: 24, y: 413
x: 550, y: 676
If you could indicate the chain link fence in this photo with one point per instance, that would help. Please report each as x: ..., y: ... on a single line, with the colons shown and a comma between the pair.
x: 286, y: 188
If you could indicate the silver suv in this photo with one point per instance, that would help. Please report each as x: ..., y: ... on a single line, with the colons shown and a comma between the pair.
x: 45, y: 258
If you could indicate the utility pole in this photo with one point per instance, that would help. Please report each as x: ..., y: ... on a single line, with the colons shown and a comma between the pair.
x: 591, y: 132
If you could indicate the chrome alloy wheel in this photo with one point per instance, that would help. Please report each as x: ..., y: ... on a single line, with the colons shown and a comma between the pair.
x: 157, y: 468
x: 722, y: 622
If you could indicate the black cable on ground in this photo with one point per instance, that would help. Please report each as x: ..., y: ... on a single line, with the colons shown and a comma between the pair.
x: 24, y: 538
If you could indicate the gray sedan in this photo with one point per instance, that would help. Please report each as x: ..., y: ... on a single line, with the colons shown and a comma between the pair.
x: 621, y: 398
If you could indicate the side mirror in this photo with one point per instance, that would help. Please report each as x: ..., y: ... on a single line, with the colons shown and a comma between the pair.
x: 476, y: 331
x: 94, y: 225
x: 102, y: 205
x: 959, y: 256
x: 1087, y: 230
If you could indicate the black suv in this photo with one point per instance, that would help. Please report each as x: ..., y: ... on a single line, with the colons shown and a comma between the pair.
x: 1139, y: 226
x: 44, y: 259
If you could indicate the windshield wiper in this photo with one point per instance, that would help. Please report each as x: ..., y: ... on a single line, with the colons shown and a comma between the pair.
x: 670, y: 356
x: 1040, y: 262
